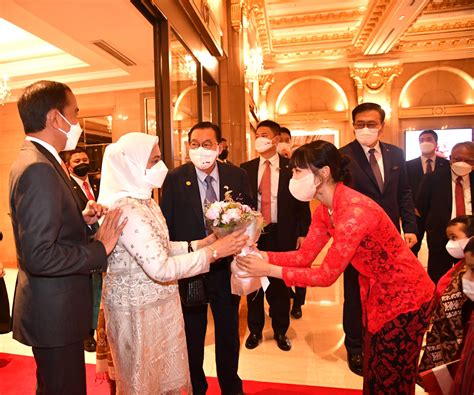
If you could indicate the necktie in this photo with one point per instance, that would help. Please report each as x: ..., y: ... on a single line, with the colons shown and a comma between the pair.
x: 429, y: 168
x: 210, y: 193
x: 459, y: 197
x: 375, y: 168
x: 89, y: 194
x: 264, y: 189
x: 63, y: 165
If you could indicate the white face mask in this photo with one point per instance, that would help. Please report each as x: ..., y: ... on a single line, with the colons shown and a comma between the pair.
x: 263, y: 144
x: 304, y: 188
x: 156, y: 175
x: 468, y: 288
x: 366, y: 136
x: 426, y: 147
x: 284, y: 149
x: 455, y: 248
x: 461, y: 168
x: 203, y: 158
x: 72, y: 136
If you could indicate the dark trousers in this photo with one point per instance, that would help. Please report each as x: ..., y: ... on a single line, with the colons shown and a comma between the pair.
x: 420, y: 224
x: 352, y: 311
x: 60, y: 370
x: 277, y: 294
x: 298, y: 295
x: 5, y: 320
x: 439, y: 262
x: 225, y: 310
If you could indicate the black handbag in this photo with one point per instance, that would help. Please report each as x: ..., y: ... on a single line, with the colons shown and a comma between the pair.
x: 192, y: 291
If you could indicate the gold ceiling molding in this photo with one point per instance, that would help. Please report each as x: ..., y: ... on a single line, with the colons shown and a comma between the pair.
x: 311, y: 19
x: 442, y: 27
x: 257, y: 11
x: 374, y: 79
x: 236, y: 14
x: 437, y: 111
x: 316, y: 39
x: 304, y: 55
x: 265, y: 81
x: 319, y: 116
x: 451, y: 5
x: 439, y: 44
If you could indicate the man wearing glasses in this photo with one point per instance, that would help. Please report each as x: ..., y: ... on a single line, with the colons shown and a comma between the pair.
x: 378, y: 170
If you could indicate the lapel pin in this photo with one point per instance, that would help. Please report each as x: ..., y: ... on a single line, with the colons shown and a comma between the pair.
x: 226, y: 187
x: 188, y: 183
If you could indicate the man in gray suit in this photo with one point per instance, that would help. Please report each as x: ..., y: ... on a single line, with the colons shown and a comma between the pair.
x: 52, y: 304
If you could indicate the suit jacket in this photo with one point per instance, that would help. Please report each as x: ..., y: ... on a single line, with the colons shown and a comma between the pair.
x: 415, y: 172
x: 52, y: 305
x: 294, y: 216
x: 396, y: 198
x: 435, y: 202
x: 181, y: 201
x: 82, y: 196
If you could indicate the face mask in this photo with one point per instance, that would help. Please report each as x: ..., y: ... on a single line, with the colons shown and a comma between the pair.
x: 284, y: 149
x: 366, y: 136
x: 262, y: 144
x: 203, y: 158
x: 455, y: 248
x: 304, y: 189
x: 156, y: 175
x: 72, y: 136
x: 468, y: 288
x: 461, y: 168
x: 427, y: 148
x: 224, y: 154
x: 82, y: 169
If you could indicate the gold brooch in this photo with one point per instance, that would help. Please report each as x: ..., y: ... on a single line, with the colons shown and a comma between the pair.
x: 188, y: 183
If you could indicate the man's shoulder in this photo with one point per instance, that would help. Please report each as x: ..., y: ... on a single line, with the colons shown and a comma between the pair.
x: 250, y: 163
x: 414, y: 162
x: 183, y: 169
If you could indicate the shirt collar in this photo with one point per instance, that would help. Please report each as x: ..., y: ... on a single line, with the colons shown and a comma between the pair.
x: 376, y: 147
x: 202, y: 175
x: 47, y: 146
x: 274, y: 160
x: 424, y: 158
x: 78, y: 180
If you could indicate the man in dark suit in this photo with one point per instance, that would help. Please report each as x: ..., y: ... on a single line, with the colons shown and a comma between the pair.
x: 378, y: 171
x: 186, y: 191
x: 52, y: 305
x: 427, y: 163
x: 443, y: 195
x: 287, y: 221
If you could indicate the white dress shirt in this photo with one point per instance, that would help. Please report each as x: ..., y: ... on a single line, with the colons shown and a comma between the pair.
x: 466, y: 186
x: 275, y: 177
x: 424, y: 161
x: 47, y: 146
x: 378, y: 156
x: 81, y: 184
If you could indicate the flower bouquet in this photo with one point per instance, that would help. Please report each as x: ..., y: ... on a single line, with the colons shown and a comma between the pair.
x: 227, y: 216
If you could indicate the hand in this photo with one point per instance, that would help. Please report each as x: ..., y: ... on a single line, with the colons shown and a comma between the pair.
x: 299, y: 242
x: 231, y: 244
x: 257, y: 267
x: 206, y: 241
x: 110, y: 230
x: 93, y: 212
x: 410, y: 239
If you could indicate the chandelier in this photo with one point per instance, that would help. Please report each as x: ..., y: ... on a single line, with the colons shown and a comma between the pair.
x: 5, y: 91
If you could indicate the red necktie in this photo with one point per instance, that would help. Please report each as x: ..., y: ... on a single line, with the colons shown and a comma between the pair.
x: 429, y: 168
x: 89, y: 194
x: 265, y: 193
x: 459, y: 196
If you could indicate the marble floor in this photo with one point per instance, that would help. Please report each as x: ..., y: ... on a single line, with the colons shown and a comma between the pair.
x: 317, y: 357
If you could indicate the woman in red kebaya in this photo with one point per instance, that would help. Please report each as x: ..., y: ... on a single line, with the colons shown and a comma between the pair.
x: 396, y: 291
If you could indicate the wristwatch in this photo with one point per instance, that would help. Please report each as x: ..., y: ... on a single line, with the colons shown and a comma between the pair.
x: 214, y: 252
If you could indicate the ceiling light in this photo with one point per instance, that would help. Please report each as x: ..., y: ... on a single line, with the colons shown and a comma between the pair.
x: 5, y: 91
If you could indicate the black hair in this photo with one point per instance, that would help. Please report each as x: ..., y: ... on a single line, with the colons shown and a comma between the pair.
x: 285, y: 130
x: 37, y: 100
x: 467, y: 221
x: 207, y: 125
x: 67, y: 155
x: 318, y: 154
x: 467, y: 144
x: 275, y: 127
x: 470, y: 246
x: 429, y: 131
x: 363, y: 107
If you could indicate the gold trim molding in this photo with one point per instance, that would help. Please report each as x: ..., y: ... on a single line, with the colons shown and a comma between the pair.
x: 437, y: 111
x: 319, y: 116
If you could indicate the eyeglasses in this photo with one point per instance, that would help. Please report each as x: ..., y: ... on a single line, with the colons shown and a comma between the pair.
x: 362, y: 125
x: 206, y: 145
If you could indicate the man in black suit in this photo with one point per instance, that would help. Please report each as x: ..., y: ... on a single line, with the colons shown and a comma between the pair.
x: 287, y: 221
x: 427, y: 163
x: 443, y: 195
x: 378, y: 171
x: 185, y: 192
x: 52, y: 305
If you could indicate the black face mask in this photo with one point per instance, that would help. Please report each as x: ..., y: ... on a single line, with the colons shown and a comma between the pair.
x: 224, y: 154
x: 82, y: 169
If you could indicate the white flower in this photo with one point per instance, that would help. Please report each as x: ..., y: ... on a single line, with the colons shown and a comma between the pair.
x: 213, y: 211
x: 230, y: 215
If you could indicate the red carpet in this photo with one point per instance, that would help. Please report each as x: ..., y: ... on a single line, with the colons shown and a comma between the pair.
x: 18, y: 376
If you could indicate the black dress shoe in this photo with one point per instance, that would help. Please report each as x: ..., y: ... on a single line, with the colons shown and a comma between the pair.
x: 296, y: 312
x: 355, y: 362
x: 283, y: 342
x: 253, y: 340
x: 90, y: 344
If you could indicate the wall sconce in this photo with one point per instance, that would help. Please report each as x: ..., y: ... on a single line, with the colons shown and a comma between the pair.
x: 5, y: 91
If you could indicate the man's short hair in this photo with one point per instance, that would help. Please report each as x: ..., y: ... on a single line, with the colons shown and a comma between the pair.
x: 67, y: 155
x: 363, y: 107
x: 285, y: 130
x: 37, y: 100
x: 429, y: 131
x: 468, y: 144
x: 275, y: 127
x: 207, y: 125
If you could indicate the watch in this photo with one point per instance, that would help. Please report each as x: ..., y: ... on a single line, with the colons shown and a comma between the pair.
x: 214, y: 251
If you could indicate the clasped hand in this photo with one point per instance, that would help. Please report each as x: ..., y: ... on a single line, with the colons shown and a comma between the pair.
x: 93, y: 212
x: 253, y: 266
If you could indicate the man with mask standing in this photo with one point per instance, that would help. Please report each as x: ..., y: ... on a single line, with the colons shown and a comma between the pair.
x: 378, y: 171
x: 286, y: 224
x: 427, y: 163
x: 185, y: 193
x: 52, y: 304
x: 443, y: 195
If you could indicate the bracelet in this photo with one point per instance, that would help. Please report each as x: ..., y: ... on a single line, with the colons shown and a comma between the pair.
x: 214, y: 252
